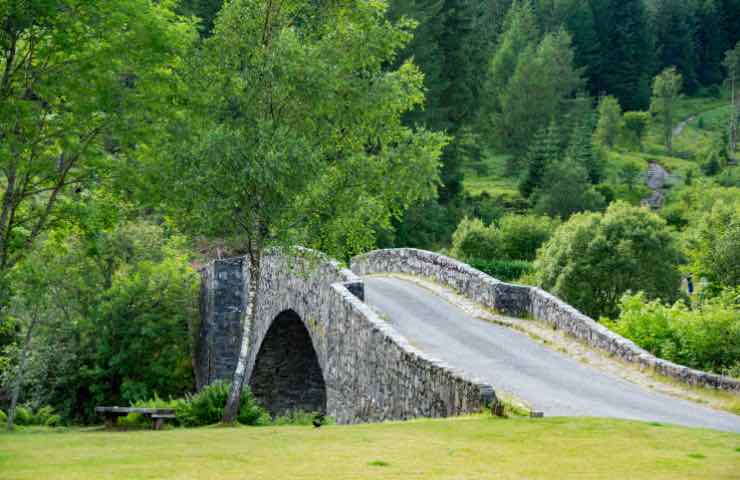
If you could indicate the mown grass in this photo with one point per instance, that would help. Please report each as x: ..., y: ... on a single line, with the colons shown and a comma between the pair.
x: 468, y: 448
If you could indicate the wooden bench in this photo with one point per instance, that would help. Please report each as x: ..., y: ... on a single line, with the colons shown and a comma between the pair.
x: 156, y: 415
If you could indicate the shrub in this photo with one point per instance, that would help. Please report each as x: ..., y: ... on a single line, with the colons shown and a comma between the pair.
x: 714, y: 245
x: 3, y: 418
x: 472, y: 239
x: 705, y: 337
x: 207, y: 407
x: 517, y: 237
x: 299, y: 417
x: 23, y: 416
x: 507, y: 270
x: 594, y: 258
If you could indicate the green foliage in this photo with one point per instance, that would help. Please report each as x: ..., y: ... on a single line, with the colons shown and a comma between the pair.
x: 666, y: 89
x: 630, y: 174
x: 207, y: 407
x: 625, y: 63
x: 714, y: 245
x: 473, y: 239
x: 3, y: 419
x: 675, y: 30
x: 545, y: 150
x: 609, y: 121
x: 506, y: 270
x: 284, y: 137
x: 635, y: 125
x: 594, y: 258
x: 567, y: 190
x: 116, y: 314
x: 515, y: 237
x: 299, y: 417
x: 79, y: 78
x: 705, y: 336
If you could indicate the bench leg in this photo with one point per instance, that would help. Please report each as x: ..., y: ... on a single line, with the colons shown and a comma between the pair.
x: 158, y: 422
x: 111, y: 421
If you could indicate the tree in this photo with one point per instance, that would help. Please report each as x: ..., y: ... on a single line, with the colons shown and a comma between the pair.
x: 625, y: 61
x: 520, y: 34
x: 666, y: 91
x: 566, y: 190
x: 710, y: 43
x: 732, y: 64
x: 581, y: 149
x: 675, y: 31
x: 544, y: 79
x: 714, y: 245
x: 635, y: 125
x: 297, y: 136
x: 545, y: 149
x: 594, y: 258
x: 80, y: 81
x: 629, y: 174
x: 609, y: 122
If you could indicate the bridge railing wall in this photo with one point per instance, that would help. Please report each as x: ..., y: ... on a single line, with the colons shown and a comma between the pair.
x: 521, y: 301
x: 381, y: 376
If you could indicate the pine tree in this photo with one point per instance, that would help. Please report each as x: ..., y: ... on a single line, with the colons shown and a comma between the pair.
x: 581, y: 150
x: 610, y: 119
x: 732, y: 64
x: 625, y: 64
x: 675, y: 34
x: 710, y: 41
x: 545, y: 149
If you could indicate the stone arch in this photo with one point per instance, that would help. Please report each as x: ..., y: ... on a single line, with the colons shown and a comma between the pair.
x: 287, y: 374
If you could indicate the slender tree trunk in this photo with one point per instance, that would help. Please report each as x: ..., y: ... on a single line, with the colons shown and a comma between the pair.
x: 237, y: 383
x: 20, y: 373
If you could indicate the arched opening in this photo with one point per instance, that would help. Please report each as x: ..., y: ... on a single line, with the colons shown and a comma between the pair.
x: 287, y: 375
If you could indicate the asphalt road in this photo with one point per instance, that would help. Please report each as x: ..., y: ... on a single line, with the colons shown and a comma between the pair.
x: 511, y: 362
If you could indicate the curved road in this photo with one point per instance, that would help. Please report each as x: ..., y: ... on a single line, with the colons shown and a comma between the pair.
x: 548, y: 380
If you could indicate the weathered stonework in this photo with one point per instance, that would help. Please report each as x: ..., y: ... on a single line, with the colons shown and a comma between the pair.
x: 519, y: 300
x: 312, y: 332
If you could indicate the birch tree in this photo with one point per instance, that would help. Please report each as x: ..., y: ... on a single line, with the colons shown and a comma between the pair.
x: 666, y: 91
x: 294, y: 134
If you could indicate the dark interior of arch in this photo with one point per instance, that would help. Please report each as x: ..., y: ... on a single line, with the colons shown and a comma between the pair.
x: 287, y: 375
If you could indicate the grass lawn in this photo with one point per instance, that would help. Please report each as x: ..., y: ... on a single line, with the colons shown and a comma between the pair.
x: 475, y: 448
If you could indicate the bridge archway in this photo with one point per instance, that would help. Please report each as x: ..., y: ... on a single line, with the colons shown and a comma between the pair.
x: 287, y: 375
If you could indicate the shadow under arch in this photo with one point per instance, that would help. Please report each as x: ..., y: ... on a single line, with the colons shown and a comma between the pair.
x: 287, y: 375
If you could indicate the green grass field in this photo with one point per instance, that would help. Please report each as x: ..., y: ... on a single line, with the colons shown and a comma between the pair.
x: 468, y: 448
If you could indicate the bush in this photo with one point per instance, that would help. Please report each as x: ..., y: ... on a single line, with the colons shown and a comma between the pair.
x: 23, y: 416
x: 507, y: 270
x: 472, y: 239
x: 517, y: 237
x: 706, y: 337
x: 300, y: 417
x: 3, y: 418
x: 594, y: 258
x: 714, y: 243
x: 207, y: 407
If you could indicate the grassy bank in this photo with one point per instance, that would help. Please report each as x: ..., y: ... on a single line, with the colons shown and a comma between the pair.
x: 475, y: 448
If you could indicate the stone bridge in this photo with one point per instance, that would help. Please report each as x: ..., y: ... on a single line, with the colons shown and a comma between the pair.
x: 315, y: 345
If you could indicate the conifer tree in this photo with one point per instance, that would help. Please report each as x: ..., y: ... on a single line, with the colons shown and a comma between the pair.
x: 610, y: 119
x: 625, y: 64
x: 545, y: 149
x: 675, y: 35
x: 710, y: 41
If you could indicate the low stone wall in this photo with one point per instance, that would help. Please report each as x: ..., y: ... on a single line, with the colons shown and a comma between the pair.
x: 369, y: 371
x: 519, y: 300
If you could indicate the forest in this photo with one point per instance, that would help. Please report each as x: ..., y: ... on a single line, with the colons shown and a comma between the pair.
x: 586, y: 146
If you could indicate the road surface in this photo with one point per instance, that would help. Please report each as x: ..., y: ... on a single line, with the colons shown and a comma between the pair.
x: 511, y: 362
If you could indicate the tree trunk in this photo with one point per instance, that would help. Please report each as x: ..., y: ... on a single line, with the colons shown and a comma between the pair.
x: 237, y: 383
x: 20, y: 373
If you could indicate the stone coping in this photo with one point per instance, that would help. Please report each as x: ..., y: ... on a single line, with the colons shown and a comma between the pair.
x: 521, y: 300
